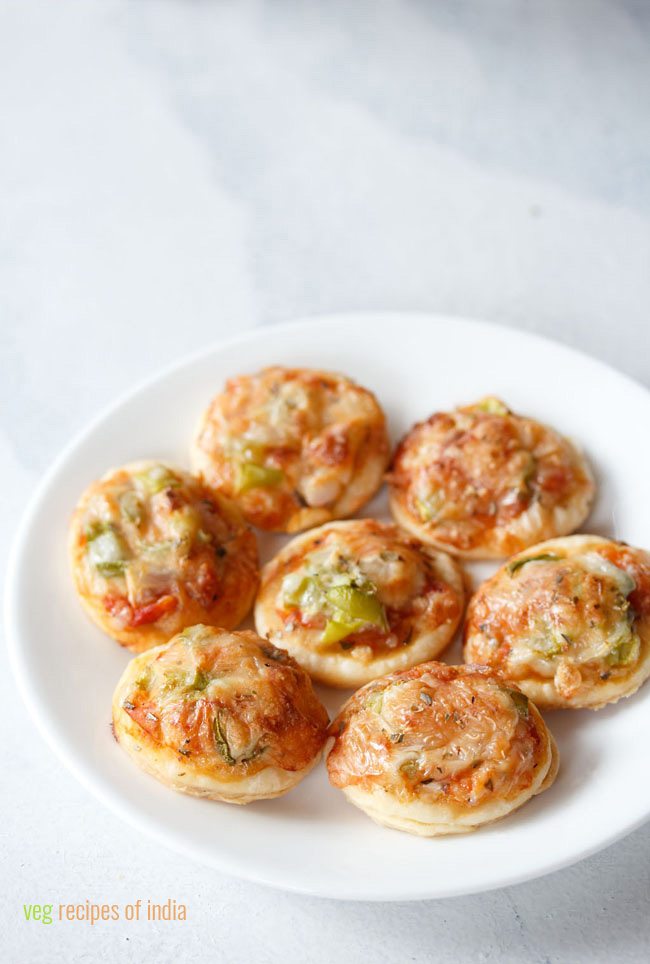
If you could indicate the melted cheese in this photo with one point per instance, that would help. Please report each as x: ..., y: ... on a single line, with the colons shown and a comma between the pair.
x: 226, y: 703
x: 439, y: 733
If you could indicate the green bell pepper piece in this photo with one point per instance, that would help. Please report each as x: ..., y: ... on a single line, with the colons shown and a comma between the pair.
x: 157, y: 478
x: 354, y: 605
x: 491, y: 406
x: 132, y: 507
x: 521, y: 702
x: 252, y: 476
x: 294, y: 599
x: 335, y: 631
x: 543, y: 557
x: 625, y: 651
x: 107, y: 551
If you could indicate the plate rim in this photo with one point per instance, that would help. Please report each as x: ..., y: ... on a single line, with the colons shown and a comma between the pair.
x: 102, y: 791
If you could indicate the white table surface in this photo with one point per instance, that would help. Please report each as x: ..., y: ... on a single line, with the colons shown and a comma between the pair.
x: 173, y: 172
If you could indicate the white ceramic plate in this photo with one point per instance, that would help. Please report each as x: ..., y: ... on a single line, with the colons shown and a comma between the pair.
x: 312, y: 841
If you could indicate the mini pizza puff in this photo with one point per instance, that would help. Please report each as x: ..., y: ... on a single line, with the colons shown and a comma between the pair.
x: 293, y: 447
x: 567, y: 620
x: 483, y: 482
x: 220, y: 715
x: 440, y: 749
x: 356, y: 599
x: 152, y: 551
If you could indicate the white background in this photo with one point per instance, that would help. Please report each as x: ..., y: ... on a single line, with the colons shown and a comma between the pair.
x: 174, y: 172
